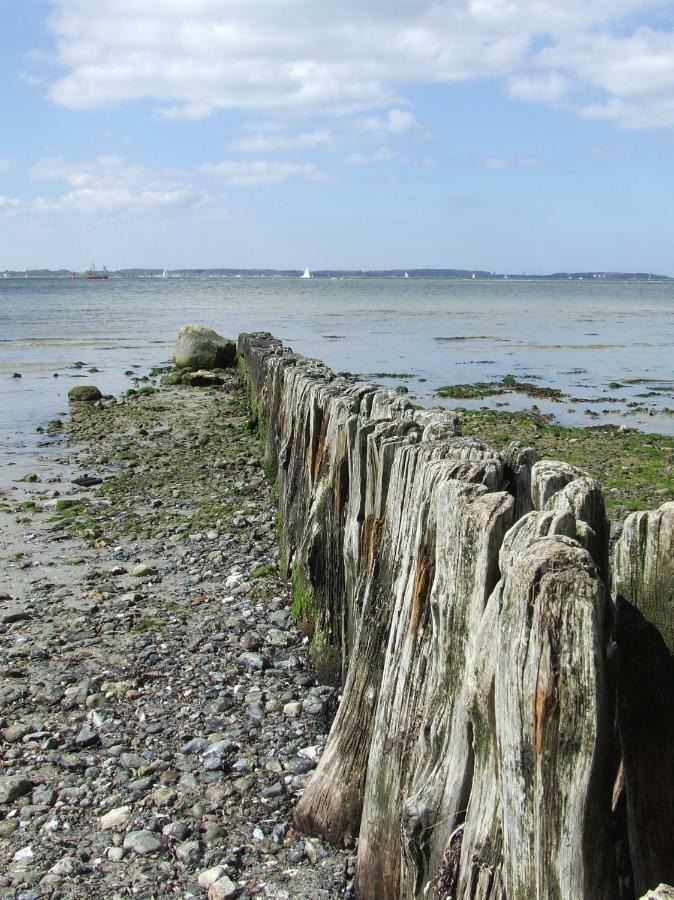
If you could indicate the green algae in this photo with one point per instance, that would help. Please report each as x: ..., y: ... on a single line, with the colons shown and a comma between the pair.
x: 635, y: 470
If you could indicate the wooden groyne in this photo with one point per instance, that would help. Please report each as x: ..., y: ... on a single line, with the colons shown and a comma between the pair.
x: 506, y: 728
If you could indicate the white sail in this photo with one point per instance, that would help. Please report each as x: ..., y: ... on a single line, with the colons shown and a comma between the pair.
x: 306, y: 273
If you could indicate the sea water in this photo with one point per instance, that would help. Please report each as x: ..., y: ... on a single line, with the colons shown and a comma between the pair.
x: 580, y: 337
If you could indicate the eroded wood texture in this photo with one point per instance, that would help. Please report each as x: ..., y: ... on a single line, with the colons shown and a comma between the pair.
x: 643, y: 577
x: 463, y: 593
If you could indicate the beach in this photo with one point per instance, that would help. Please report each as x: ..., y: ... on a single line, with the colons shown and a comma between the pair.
x: 159, y: 711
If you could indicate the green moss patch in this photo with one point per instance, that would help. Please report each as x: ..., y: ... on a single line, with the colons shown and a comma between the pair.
x: 635, y: 470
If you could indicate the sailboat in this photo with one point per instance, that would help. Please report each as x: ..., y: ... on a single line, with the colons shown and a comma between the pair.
x: 164, y: 274
x: 94, y: 274
x: 406, y: 275
x: 306, y: 273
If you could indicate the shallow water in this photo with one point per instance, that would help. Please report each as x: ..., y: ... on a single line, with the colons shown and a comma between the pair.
x: 575, y: 336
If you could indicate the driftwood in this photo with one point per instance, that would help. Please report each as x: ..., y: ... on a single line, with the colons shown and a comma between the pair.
x: 460, y: 596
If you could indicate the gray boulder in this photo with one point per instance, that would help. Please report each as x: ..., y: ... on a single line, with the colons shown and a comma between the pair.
x: 202, y: 348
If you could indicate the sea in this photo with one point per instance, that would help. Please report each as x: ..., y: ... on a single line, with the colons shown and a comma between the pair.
x: 608, y: 346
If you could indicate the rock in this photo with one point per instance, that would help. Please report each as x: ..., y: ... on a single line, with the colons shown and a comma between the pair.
x: 662, y: 892
x: 84, y: 393
x: 14, y: 786
x: 293, y: 709
x: 24, y: 856
x: 64, y: 868
x: 209, y: 876
x: 15, y: 614
x: 253, y: 661
x: 202, y: 378
x: 176, y: 831
x: 116, y: 818
x: 14, y: 733
x: 201, y: 348
x: 222, y: 888
x: 142, y: 842
x: 87, y: 737
x: 188, y: 852
x: 142, y: 570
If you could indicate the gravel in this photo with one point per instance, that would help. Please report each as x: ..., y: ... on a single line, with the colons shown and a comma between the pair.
x: 158, y: 710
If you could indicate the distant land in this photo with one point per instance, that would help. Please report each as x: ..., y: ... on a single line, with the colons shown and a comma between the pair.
x: 457, y: 274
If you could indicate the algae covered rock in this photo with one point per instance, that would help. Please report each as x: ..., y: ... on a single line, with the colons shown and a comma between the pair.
x: 84, y: 393
x: 202, y: 379
x: 202, y: 348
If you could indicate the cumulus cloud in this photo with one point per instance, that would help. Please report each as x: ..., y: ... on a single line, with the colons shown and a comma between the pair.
x: 259, y: 172
x: 105, y: 186
x: 195, y: 57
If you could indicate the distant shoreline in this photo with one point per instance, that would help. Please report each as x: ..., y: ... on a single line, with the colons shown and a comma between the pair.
x: 448, y: 274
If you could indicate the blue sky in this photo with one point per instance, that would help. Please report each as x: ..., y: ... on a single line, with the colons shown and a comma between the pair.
x: 507, y: 135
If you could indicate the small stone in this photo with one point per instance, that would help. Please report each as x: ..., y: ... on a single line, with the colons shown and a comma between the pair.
x: 188, y: 852
x: 176, y: 831
x: 115, y: 854
x: 253, y: 661
x: 142, y: 570
x: 17, y: 614
x: 64, y: 867
x: 209, y: 876
x: 25, y: 855
x: 87, y: 737
x: 196, y: 745
x: 222, y: 888
x: 13, y: 787
x: 13, y: 733
x: 292, y: 710
x: 116, y: 818
x: 142, y: 842
x: 251, y: 641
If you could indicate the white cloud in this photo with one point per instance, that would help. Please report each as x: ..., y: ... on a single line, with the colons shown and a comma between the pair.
x: 258, y: 172
x: 383, y: 154
x: 494, y: 165
x: 497, y: 164
x: 633, y: 76
x: 195, y: 57
x: 547, y: 87
x: 397, y: 121
x: 271, y: 143
x: 103, y: 187
x: 10, y: 204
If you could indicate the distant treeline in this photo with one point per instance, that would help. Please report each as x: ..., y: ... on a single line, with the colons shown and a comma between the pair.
x: 459, y: 274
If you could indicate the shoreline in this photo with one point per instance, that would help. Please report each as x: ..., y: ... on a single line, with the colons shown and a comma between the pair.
x: 160, y: 714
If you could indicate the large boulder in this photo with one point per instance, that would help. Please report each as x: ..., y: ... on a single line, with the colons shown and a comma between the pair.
x: 202, y: 348
x: 84, y: 393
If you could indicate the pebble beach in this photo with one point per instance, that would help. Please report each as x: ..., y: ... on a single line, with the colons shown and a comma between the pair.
x: 159, y: 713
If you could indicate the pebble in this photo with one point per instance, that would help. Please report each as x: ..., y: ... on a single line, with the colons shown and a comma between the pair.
x: 150, y: 748
x: 142, y: 842
x: 116, y: 818
x: 222, y: 888
x: 209, y: 876
x: 13, y: 787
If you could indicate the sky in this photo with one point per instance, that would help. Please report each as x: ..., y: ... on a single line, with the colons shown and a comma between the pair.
x: 504, y: 135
